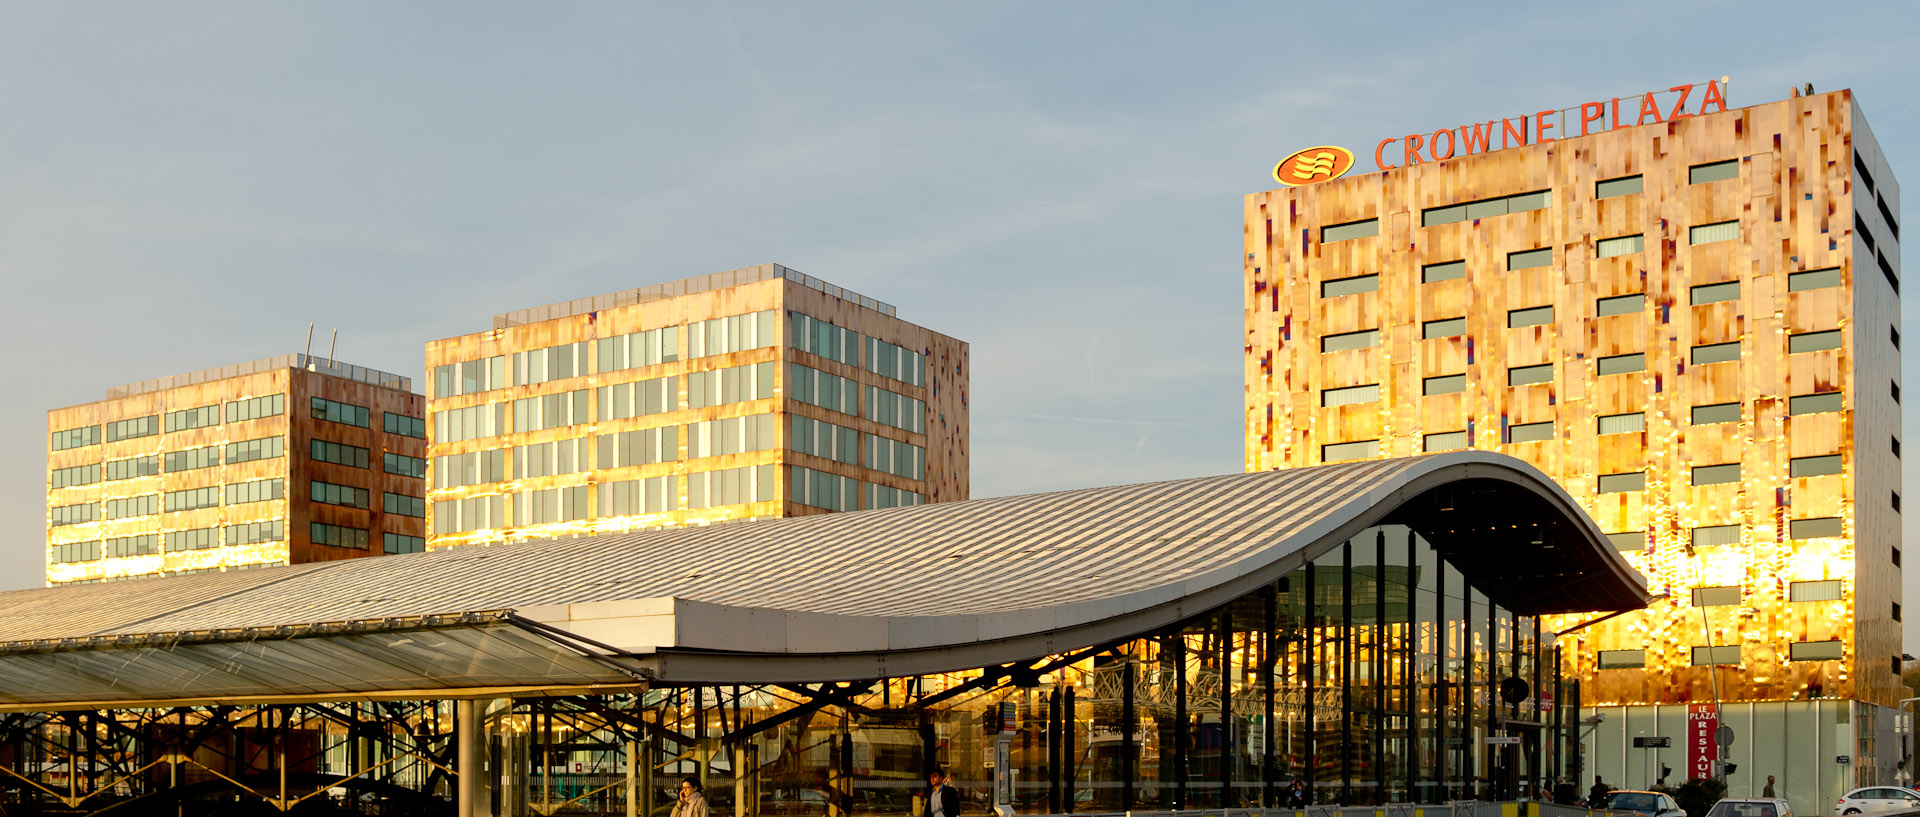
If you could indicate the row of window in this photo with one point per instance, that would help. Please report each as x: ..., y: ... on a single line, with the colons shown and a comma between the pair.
x: 239, y: 493
x: 1543, y: 373
x: 732, y: 486
x: 184, y: 419
x: 1725, y: 655
x: 149, y: 544
x: 208, y: 457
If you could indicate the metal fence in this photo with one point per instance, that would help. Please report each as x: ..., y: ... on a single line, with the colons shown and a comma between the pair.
x: 1458, y: 808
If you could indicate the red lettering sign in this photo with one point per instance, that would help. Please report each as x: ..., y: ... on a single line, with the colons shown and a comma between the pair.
x: 1703, y: 744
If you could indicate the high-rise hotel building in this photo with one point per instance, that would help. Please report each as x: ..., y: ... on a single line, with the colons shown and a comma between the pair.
x: 754, y: 393
x: 278, y: 461
x: 1693, y: 325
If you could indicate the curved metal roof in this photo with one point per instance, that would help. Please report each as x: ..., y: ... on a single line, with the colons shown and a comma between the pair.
x: 898, y: 591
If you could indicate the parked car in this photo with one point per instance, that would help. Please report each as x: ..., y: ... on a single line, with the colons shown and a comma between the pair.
x: 1751, y: 807
x: 1651, y: 803
x: 1877, y: 798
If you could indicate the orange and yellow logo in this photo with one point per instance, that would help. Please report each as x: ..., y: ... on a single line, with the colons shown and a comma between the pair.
x: 1319, y: 164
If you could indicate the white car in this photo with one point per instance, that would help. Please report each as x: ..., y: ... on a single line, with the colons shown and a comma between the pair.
x: 1877, y: 798
x: 1751, y: 807
x: 1651, y: 803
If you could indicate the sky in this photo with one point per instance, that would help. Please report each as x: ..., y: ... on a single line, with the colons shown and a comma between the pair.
x: 188, y: 185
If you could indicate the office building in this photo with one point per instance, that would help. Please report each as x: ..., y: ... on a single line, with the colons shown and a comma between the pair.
x: 283, y: 460
x: 1690, y: 322
x: 758, y: 392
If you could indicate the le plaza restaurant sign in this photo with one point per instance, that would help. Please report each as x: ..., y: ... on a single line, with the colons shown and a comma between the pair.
x: 1327, y: 162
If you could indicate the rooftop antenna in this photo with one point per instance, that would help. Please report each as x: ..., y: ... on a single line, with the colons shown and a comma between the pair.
x: 330, y: 346
x: 306, y: 356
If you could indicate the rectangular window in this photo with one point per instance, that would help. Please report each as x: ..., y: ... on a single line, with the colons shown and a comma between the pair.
x: 1350, y: 230
x: 321, y: 533
x: 1813, y: 466
x: 1446, y: 328
x: 135, y: 467
x: 470, y: 376
x: 1824, y: 527
x: 404, y: 465
x: 560, y: 456
x: 265, y: 448
x: 881, y: 496
x: 338, y: 453
x: 1814, y: 403
x: 1894, y: 336
x: 405, y: 505
x: 260, y: 490
x: 472, y: 513
x: 1813, y: 279
x: 253, y: 533
x: 1485, y: 208
x: 137, y: 427
x: 201, y: 417
x: 1716, y: 536
x: 1715, y: 293
x: 253, y: 408
x: 819, y: 337
x: 901, y: 459
x: 1623, y: 186
x: 1349, y: 286
x: 1351, y: 395
x: 1715, y: 353
x: 1623, y: 245
x: 739, y: 486
x: 639, y: 399
x: 1530, y: 259
x: 1706, y: 656
x: 897, y: 362
x: 402, y: 543
x: 196, y: 539
x: 1711, y: 233
x: 551, y: 363
x: 1628, y: 540
x: 643, y: 446
x: 822, y: 490
x: 1444, y: 384
x: 1622, y: 659
x: 823, y: 439
x: 404, y: 425
x: 1356, y: 450
x: 1816, y: 651
x: 146, y: 544
x: 1446, y: 441
x: 1349, y: 341
x: 343, y: 495
x: 897, y: 410
x: 1448, y: 271
x: 1716, y: 596
x: 1529, y: 432
x: 1827, y: 590
x: 1621, y: 305
x: 191, y: 459
x: 132, y: 506
x: 336, y: 412
x: 1533, y: 316
x: 635, y: 497
x: 1623, y: 483
x: 1623, y: 364
x: 1713, y: 172
x: 193, y: 498
x: 75, y: 552
x: 1813, y: 341
x: 733, y: 333
x: 1716, y: 413
x: 735, y: 384
x: 1526, y: 375
x: 1623, y: 423
x: 553, y: 410
x: 1716, y: 474
x: 77, y: 475
x: 76, y: 438
x: 631, y: 351
x: 72, y: 514
x: 732, y: 435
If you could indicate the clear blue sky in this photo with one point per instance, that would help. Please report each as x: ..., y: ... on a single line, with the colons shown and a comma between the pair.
x: 186, y: 185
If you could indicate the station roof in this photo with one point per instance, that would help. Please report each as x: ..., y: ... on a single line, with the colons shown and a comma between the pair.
x: 844, y: 596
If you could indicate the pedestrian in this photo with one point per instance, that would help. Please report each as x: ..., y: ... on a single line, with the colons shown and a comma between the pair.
x: 1768, y: 791
x: 1597, y: 796
x: 1564, y: 793
x: 690, y: 804
x: 1297, y: 795
x: 941, y: 799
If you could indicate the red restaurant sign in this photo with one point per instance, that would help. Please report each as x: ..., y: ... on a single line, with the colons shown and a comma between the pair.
x: 1594, y: 117
x: 1703, y: 744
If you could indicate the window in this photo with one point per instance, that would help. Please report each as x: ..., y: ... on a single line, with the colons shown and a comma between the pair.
x: 1349, y: 286
x: 1894, y: 336
x: 896, y: 457
x: 470, y: 376
x: 1446, y: 441
x: 137, y: 427
x: 1529, y: 259
x: 339, y: 453
x: 649, y: 348
x: 1628, y: 540
x: 1814, y: 403
x: 897, y: 410
x: 552, y: 505
x: 1444, y: 384
x: 1621, y: 305
x: 252, y: 533
x: 1813, y: 279
x: 1623, y: 423
x: 1623, y: 364
x: 1816, y: 651
x: 321, y: 533
x: 1896, y: 392
x: 1526, y: 375
x: 1827, y: 590
x: 1896, y: 557
x: 819, y: 337
x: 77, y: 475
x: 1623, y: 483
x: 551, y: 363
x: 193, y: 418
x: 1622, y: 659
x: 1896, y: 501
x: 1716, y: 596
x: 76, y: 438
x: 1716, y: 536
x: 1448, y: 271
x: 823, y: 439
x: 1813, y: 341
x: 1485, y: 208
x: 638, y: 399
x: 1623, y: 186
x: 1529, y: 432
x: 146, y: 544
x: 1860, y: 167
x: 1813, y: 466
x: 1446, y: 328
x: 1356, y: 450
x: 402, y: 543
x: 1348, y: 341
x: 552, y: 410
x: 335, y: 412
x: 1350, y: 230
x: 637, y: 496
x: 75, y: 552
x: 732, y: 435
x: 130, y: 468
x: 733, y: 333
x: 1715, y: 353
x: 132, y: 506
x: 404, y: 465
x: 1716, y: 413
x: 1351, y: 395
x: 472, y: 513
x: 881, y: 496
x: 265, y: 448
x: 342, y: 495
x: 260, y: 490
x: 196, y: 539
x: 404, y: 425
x: 644, y: 446
x: 272, y: 405
x: 1623, y: 245
x: 1711, y: 233
x: 1705, y: 656
x: 1534, y: 316
x: 72, y: 514
x: 822, y: 490
x: 730, y: 385
x: 191, y: 459
x: 897, y: 362
x: 404, y: 505
x: 1715, y: 293
x: 1896, y: 611
x: 1714, y: 172
x: 738, y: 486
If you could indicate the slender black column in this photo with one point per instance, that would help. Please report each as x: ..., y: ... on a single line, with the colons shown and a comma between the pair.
x: 1068, y: 776
x: 1129, y: 725
x: 1226, y: 752
x: 1267, y: 659
x: 1442, y: 707
x: 1309, y: 647
x: 1378, y: 734
x: 1346, y: 675
x: 1053, y: 750
x: 1177, y: 644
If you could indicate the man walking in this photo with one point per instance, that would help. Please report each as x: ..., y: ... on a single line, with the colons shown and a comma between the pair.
x: 942, y: 800
x: 1768, y: 791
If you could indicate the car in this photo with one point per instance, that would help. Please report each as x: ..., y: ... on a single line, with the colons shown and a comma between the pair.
x: 1751, y: 807
x: 1651, y: 803
x: 1877, y: 798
